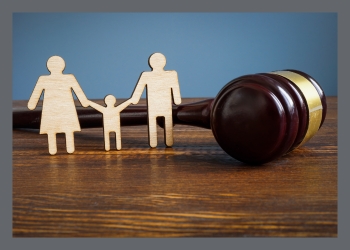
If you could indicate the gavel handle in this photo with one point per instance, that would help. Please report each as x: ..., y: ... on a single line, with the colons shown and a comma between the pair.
x: 195, y: 114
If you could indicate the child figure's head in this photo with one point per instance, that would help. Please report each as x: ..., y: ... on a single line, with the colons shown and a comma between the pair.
x: 110, y: 100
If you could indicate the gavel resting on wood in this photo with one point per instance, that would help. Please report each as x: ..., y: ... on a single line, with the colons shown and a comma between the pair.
x: 254, y: 118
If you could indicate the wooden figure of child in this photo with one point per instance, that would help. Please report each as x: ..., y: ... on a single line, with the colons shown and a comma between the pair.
x: 111, y: 119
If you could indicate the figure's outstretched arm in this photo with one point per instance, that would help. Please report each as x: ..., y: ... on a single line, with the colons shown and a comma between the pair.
x: 79, y: 93
x: 123, y: 105
x: 136, y: 95
x: 34, y: 98
x: 176, y: 91
x: 96, y: 106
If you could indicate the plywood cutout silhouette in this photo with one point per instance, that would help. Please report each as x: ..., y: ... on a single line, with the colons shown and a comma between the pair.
x: 162, y: 90
x: 58, y: 112
x: 111, y: 119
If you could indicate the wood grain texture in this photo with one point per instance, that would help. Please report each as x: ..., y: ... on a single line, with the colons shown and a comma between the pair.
x: 58, y: 114
x: 193, y: 189
x: 162, y: 89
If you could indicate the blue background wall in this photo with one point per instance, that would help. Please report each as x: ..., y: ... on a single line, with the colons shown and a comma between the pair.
x: 108, y: 51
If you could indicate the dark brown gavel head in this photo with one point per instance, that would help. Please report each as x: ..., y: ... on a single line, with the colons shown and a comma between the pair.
x: 257, y: 118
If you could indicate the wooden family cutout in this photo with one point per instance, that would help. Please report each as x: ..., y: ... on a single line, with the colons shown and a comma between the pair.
x: 59, y: 114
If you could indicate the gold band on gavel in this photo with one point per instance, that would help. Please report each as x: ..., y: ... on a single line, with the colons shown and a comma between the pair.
x: 312, y: 98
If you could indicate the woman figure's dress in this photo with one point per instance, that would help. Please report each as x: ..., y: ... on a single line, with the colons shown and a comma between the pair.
x: 58, y: 113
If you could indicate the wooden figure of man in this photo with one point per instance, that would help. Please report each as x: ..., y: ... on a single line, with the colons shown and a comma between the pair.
x: 162, y: 88
x: 58, y: 113
x: 111, y: 119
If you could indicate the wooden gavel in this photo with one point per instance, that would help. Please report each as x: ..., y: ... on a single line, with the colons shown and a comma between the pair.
x: 254, y: 118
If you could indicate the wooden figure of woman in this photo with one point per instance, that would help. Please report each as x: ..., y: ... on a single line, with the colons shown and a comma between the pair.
x: 58, y: 112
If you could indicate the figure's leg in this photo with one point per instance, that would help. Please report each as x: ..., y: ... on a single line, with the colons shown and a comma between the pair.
x: 70, y: 142
x: 152, y: 131
x: 106, y: 135
x: 118, y: 140
x: 168, y: 130
x: 52, y: 143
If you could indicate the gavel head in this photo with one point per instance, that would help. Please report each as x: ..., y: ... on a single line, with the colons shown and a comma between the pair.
x: 257, y: 118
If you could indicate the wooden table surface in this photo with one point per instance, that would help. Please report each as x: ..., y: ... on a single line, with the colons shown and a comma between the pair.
x: 193, y: 189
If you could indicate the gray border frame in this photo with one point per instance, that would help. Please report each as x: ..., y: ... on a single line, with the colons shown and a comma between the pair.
x: 8, y: 7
